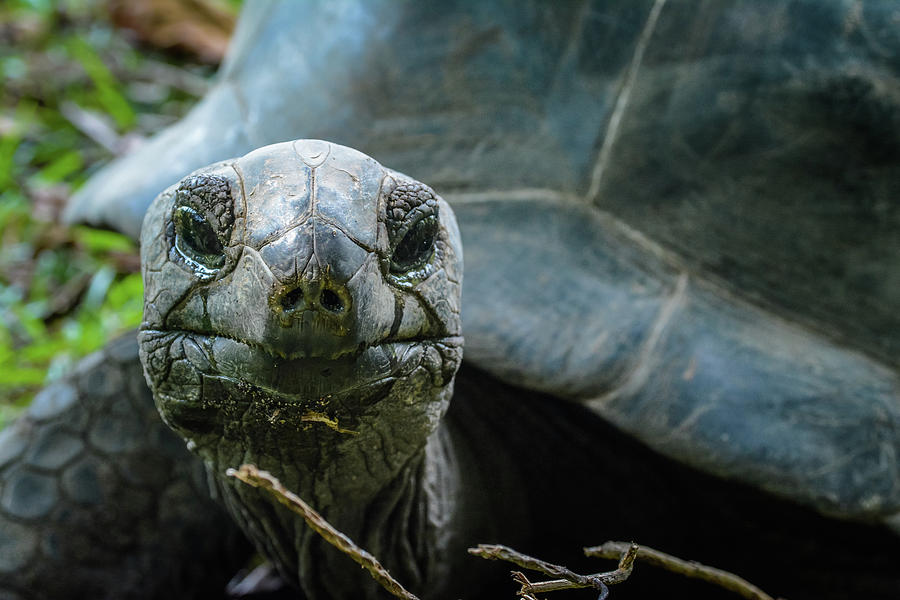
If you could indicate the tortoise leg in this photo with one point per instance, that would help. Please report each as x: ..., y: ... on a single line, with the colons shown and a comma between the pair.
x: 99, y: 499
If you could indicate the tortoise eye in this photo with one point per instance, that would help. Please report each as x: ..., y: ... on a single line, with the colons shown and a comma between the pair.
x: 416, y: 247
x: 196, y: 239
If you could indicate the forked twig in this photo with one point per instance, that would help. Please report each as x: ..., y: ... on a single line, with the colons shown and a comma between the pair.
x: 566, y: 579
x: 688, y: 568
x: 253, y: 476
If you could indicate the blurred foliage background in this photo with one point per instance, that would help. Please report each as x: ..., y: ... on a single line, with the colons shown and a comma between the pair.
x: 83, y: 81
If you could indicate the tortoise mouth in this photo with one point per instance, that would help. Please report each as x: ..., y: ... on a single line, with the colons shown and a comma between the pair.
x: 240, y: 362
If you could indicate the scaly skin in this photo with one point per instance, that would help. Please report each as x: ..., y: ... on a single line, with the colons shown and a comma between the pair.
x: 98, y: 499
x: 302, y: 313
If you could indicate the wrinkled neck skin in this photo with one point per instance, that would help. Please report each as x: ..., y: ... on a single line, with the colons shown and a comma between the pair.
x: 372, y: 459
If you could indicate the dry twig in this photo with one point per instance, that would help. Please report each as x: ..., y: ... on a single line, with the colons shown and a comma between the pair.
x: 566, y: 578
x: 251, y: 475
x: 723, y: 579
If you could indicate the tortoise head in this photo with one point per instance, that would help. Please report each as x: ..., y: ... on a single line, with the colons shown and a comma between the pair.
x: 300, y: 301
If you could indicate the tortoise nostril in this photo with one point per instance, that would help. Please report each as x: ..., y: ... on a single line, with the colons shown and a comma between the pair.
x: 310, y: 296
x: 292, y: 299
x: 331, y: 301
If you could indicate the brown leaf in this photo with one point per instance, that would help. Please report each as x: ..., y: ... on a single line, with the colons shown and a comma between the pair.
x: 199, y: 27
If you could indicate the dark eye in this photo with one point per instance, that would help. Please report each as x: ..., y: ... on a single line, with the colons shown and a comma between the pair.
x: 196, y: 239
x: 416, y: 246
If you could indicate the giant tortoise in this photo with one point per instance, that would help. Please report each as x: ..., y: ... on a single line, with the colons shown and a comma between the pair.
x: 679, y: 310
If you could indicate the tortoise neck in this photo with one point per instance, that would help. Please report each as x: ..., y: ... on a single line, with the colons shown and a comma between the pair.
x: 405, y: 524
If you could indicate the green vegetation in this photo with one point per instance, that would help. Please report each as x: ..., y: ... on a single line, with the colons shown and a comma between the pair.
x: 76, y: 91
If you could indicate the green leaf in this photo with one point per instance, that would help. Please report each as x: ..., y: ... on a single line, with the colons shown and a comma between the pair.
x: 21, y: 376
x: 43, y: 350
x: 109, y: 96
x: 8, y: 145
x: 68, y: 163
x: 100, y: 241
x: 124, y: 296
x: 44, y: 7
